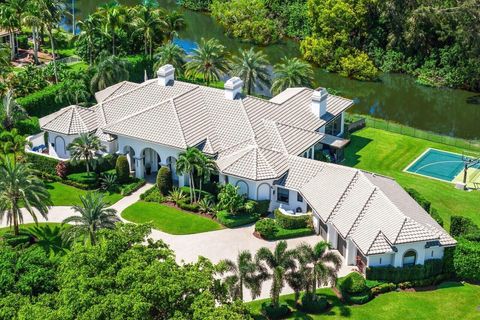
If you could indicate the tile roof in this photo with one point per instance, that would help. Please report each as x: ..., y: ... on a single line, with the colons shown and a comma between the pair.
x: 70, y: 120
x: 115, y: 90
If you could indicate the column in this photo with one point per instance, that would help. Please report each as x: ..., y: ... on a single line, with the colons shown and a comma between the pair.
x: 139, y: 168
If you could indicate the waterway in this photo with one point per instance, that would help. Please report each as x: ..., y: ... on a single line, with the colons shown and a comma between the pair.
x: 395, y: 97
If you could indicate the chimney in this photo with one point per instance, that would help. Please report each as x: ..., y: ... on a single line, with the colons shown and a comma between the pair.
x: 233, y: 87
x: 319, y: 102
x: 165, y: 74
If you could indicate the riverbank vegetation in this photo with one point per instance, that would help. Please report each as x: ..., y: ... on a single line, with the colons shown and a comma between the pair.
x: 438, y: 42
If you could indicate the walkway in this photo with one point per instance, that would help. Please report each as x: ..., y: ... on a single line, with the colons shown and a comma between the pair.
x: 214, y: 245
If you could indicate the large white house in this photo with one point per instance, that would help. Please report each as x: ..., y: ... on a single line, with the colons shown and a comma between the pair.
x: 266, y: 148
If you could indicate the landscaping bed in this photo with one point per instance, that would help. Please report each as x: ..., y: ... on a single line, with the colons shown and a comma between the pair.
x: 284, y: 227
x: 237, y: 220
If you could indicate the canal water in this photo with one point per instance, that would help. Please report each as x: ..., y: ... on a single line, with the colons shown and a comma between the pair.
x: 395, y: 97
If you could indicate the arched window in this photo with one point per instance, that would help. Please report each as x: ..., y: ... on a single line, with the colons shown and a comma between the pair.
x: 409, y: 258
x: 242, y: 187
x: 263, y: 192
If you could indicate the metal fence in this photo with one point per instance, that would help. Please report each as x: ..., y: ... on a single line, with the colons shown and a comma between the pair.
x: 357, y: 121
x: 66, y: 60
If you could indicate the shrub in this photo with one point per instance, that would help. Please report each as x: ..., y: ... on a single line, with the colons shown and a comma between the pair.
x: 466, y: 260
x: 358, y: 67
x: 261, y: 207
x: 229, y: 199
x: 42, y: 102
x: 429, y: 269
x: 460, y: 226
x: 315, y: 304
x: 360, y: 298
x: 424, y: 203
x: 13, y: 240
x: 354, y: 282
x: 164, y: 180
x: 109, y: 181
x: 61, y: 169
x: 152, y: 195
x: 42, y: 163
x: 28, y: 126
x: 291, y: 222
x: 236, y: 220
x: 177, y: 196
x: 267, y: 228
x: 188, y: 206
x: 383, y: 288
x: 132, y: 187
x: 272, y: 312
x: 436, y: 216
x: 203, y: 193
x: 102, y: 164
x: 122, y: 169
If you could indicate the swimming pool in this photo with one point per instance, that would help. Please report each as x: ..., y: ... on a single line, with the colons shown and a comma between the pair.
x: 438, y: 164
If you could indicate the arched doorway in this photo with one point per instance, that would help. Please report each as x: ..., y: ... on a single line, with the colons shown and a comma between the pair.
x: 242, y: 188
x: 130, y: 154
x: 151, y: 160
x: 263, y: 192
x: 410, y: 258
x: 60, y: 147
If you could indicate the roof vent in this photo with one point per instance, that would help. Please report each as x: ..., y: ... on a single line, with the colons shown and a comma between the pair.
x: 319, y: 102
x: 233, y: 87
x: 166, y: 74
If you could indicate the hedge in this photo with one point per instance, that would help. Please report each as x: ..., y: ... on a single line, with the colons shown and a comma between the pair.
x: 152, y: 195
x: 136, y: 68
x: 122, y: 169
x: 291, y: 222
x: 430, y: 269
x: 273, y: 313
x: 42, y: 102
x: 354, y: 288
x: 460, y: 226
x: 42, y: 163
x: 132, y: 187
x: 188, y: 206
x: 236, y: 220
x: 466, y: 260
x: 313, y: 303
x: 164, y: 180
x: 261, y: 207
x: 266, y: 228
x: 105, y: 163
x: 425, y: 204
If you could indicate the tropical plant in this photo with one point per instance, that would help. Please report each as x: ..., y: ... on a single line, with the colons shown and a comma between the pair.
x: 11, y: 111
x: 208, y: 61
x: 5, y: 65
x: 85, y: 147
x: 33, y: 18
x: 190, y: 162
x: 205, y: 205
x: 108, y: 181
x: 169, y: 53
x: 324, y: 264
x: 13, y: 143
x: 113, y: 15
x: 9, y: 21
x: 93, y: 215
x: 207, y: 168
x: 291, y: 73
x: 90, y: 28
x: 74, y: 91
x: 21, y: 192
x: 109, y: 71
x: 229, y: 199
x: 177, y: 196
x: 173, y: 22
x: 280, y: 262
x: 252, y: 68
x: 148, y: 23
x: 52, y: 12
x: 245, y: 272
x: 50, y: 238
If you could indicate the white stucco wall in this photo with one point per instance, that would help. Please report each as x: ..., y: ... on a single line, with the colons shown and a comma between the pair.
x: 60, y: 143
x: 254, y: 187
x: 292, y: 204
x: 379, y: 260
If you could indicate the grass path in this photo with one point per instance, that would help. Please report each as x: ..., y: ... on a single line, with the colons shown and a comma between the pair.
x: 168, y: 219
x: 389, y: 154
x: 449, y: 301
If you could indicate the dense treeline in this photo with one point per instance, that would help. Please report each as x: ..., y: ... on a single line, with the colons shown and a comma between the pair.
x: 437, y: 41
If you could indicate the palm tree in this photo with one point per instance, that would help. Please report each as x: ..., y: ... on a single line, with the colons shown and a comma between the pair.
x: 114, y: 18
x: 291, y: 73
x: 324, y: 263
x: 170, y: 53
x: 189, y: 162
x: 245, y: 272
x: 11, y: 111
x: 50, y: 238
x: 148, y: 23
x: 89, y: 29
x: 207, y: 168
x: 9, y: 21
x: 94, y: 215
x: 252, y: 68
x: 173, y: 22
x: 19, y: 187
x: 280, y: 261
x: 33, y: 19
x: 208, y: 61
x: 109, y: 71
x: 85, y: 147
x: 12, y: 143
x: 5, y: 64
x: 75, y: 91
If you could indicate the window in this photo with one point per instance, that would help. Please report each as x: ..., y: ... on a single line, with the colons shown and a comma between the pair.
x: 299, y: 197
x: 380, y: 262
x: 282, y: 195
x: 431, y: 255
x: 409, y: 258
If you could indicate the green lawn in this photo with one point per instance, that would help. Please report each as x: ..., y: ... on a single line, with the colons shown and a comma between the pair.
x: 389, y: 154
x: 64, y: 195
x: 28, y: 225
x: 449, y: 301
x: 168, y: 219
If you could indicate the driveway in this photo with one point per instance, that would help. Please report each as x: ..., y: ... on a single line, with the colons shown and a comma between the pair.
x: 214, y: 245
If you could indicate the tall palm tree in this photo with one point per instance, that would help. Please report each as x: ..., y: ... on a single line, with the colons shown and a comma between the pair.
x: 50, y: 238
x: 94, y: 215
x: 32, y: 17
x: 19, y: 187
x: 206, y: 168
x: 9, y: 21
x: 245, y: 272
x: 75, y: 91
x: 169, y: 53
x: 189, y: 162
x: 5, y: 64
x: 11, y: 111
x: 113, y: 18
x: 252, y: 68
x: 208, y: 61
x: 280, y: 261
x: 109, y: 71
x: 148, y: 23
x: 291, y: 73
x: 324, y: 263
x: 173, y: 22
x: 85, y: 147
x: 90, y: 27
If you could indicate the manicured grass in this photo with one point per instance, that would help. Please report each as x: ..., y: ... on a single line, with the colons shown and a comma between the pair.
x: 291, y: 233
x: 450, y: 301
x: 237, y: 220
x: 390, y: 153
x: 64, y: 195
x: 28, y: 225
x: 168, y: 219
